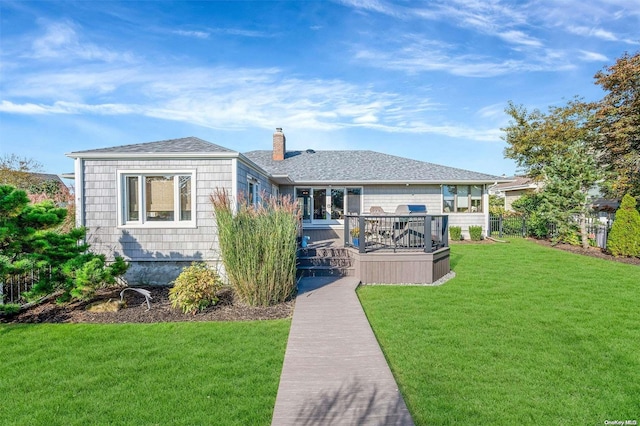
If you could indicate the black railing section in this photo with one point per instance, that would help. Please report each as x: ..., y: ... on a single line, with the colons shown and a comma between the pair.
x: 13, y: 285
x: 412, y: 232
x: 517, y: 226
x: 507, y: 226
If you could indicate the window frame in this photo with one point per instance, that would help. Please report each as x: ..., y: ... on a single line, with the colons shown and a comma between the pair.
x: 253, y: 196
x: 142, y: 222
x: 469, y: 199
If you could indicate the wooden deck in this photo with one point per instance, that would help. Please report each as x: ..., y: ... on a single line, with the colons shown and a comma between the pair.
x: 334, y: 372
x: 386, y: 266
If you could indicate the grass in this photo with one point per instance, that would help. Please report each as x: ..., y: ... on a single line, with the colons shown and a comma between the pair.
x: 524, y: 334
x: 141, y: 374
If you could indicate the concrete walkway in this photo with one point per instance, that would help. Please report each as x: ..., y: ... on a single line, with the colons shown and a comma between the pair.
x: 334, y: 372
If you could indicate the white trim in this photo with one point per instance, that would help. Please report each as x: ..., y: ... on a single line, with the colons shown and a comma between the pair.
x: 78, y: 166
x: 142, y: 223
x: 255, y: 196
x: 147, y: 155
x: 393, y: 182
x: 328, y: 222
x: 234, y: 184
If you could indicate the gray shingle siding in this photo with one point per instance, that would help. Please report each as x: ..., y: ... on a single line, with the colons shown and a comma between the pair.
x: 187, y: 244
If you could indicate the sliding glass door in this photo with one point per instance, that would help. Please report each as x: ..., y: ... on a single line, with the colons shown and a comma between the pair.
x: 328, y: 205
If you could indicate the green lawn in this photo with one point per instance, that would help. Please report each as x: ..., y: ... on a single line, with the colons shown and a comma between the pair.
x: 524, y: 334
x: 141, y: 374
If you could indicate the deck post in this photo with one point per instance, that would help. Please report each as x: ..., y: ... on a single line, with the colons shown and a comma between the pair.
x: 445, y: 230
x: 361, y: 242
x: 346, y: 235
x: 428, y: 244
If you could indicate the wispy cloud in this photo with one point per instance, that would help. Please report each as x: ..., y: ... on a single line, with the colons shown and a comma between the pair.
x: 242, y: 32
x: 60, y: 41
x: 592, y: 32
x: 593, y: 56
x: 196, y: 34
x: 225, y: 98
x: 414, y: 55
x: 518, y: 37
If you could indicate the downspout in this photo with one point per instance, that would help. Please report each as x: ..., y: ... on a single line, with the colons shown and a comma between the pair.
x: 79, y: 191
x: 234, y: 184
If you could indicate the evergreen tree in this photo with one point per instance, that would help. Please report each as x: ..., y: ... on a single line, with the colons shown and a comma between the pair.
x: 29, y: 240
x: 624, y: 238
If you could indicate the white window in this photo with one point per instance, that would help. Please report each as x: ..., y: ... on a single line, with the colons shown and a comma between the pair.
x: 462, y: 198
x: 157, y: 199
x: 252, y: 190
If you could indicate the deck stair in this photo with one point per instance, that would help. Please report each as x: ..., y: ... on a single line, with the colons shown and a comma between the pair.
x: 325, y: 261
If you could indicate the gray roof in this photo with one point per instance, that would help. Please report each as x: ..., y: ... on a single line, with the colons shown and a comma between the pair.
x: 361, y: 166
x: 190, y: 145
x: 308, y: 166
x: 515, y: 182
x: 44, y: 177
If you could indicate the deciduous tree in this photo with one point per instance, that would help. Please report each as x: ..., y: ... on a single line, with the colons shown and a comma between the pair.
x: 617, y: 119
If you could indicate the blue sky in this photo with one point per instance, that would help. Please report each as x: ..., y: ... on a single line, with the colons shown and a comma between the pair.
x: 424, y: 80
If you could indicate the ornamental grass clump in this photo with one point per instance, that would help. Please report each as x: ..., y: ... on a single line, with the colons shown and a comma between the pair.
x: 195, y: 288
x: 258, y: 247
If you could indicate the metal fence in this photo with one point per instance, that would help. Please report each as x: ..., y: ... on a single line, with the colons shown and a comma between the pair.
x: 509, y: 226
x: 14, y: 285
x: 516, y: 226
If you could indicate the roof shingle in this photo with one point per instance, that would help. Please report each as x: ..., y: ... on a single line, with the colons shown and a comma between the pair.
x: 332, y: 166
x: 183, y: 145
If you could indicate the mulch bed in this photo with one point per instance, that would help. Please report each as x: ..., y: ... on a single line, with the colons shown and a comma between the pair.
x: 136, y: 311
x: 591, y: 251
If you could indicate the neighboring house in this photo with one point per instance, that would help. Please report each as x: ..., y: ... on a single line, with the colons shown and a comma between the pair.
x: 515, y: 188
x: 150, y: 202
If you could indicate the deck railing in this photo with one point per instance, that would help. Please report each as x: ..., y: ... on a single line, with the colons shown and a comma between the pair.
x: 413, y: 232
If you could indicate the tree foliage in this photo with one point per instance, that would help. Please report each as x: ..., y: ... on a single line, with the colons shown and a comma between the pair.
x: 556, y: 148
x: 534, y: 138
x: 30, y: 239
x: 624, y: 238
x: 19, y: 171
x: 617, y: 120
x: 565, y: 194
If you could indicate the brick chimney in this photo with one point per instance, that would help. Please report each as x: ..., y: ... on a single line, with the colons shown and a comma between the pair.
x: 279, y: 145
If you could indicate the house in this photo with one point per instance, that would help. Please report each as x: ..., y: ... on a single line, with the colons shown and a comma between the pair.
x: 149, y: 202
x: 514, y: 188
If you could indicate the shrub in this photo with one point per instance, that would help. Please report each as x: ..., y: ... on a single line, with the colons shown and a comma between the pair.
x: 624, y: 238
x: 537, y: 226
x: 475, y: 232
x: 258, y: 247
x: 195, y: 288
x: 512, y: 224
x: 35, y: 237
x: 455, y: 233
x: 91, y: 275
x: 9, y: 308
